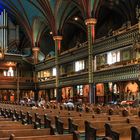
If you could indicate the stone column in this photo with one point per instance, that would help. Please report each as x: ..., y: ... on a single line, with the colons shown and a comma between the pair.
x: 57, y: 40
x: 35, y: 54
x: 90, y: 23
x: 18, y: 88
x: 138, y: 16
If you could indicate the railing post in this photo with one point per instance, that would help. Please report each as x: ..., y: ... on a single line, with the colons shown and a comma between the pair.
x: 18, y: 88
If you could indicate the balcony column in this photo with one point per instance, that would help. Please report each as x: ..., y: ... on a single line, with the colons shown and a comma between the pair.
x: 18, y: 88
x: 35, y: 54
x: 138, y: 16
x: 57, y: 40
x: 90, y: 23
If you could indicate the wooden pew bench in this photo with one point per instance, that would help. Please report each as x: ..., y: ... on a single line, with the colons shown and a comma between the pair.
x: 5, y: 119
x: 135, y: 133
x: 74, y: 136
x: 118, y: 131
x: 24, y: 132
x: 79, y: 125
x: 15, y: 126
x: 65, y: 119
x: 98, y: 123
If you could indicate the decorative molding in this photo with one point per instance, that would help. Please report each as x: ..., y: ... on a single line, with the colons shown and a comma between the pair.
x: 45, y: 65
x: 46, y: 84
x: 118, y: 74
x: 115, y: 42
x: 122, y: 73
x: 13, y: 85
x: 70, y: 55
x: 90, y: 21
x: 74, y: 79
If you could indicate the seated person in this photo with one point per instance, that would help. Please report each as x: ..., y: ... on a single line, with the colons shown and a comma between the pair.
x: 22, y: 101
x: 41, y: 102
x: 70, y: 104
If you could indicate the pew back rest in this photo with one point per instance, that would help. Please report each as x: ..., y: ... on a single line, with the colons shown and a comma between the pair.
x: 74, y: 136
x: 135, y: 133
x: 24, y: 132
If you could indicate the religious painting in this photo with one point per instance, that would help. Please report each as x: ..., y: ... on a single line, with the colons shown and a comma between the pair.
x: 67, y: 92
x: 100, y: 89
x: 86, y: 90
x: 126, y: 54
x: 101, y: 59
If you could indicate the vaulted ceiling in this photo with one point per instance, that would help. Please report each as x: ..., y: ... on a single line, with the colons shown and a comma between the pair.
x: 40, y: 20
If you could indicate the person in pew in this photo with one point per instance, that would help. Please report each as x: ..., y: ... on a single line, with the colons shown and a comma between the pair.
x: 22, y: 102
x: 41, y: 103
x: 34, y: 107
x: 31, y: 102
x: 65, y: 103
x: 70, y: 104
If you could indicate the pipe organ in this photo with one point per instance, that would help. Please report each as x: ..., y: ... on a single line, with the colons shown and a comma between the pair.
x: 3, y: 32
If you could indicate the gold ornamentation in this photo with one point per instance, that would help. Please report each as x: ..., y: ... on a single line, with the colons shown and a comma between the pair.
x: 90, y: 21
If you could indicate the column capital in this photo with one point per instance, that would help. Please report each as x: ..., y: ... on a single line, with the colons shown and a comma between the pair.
x: 35, y: 54
x: 57, y: 37
x: 92, y: 21
x: 35, y: 49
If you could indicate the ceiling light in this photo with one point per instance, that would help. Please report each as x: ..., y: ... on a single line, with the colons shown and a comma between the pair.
x: 50, y: 33
x: 76, y: 18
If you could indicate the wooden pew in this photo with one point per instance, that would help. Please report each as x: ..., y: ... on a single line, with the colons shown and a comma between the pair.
x: 15, y: 126
x: 135, y: 133
x: 90, y: 131
x: 118, y: 132
x: 24, y: 132
x: 99, y: 125
x: 74, y: 136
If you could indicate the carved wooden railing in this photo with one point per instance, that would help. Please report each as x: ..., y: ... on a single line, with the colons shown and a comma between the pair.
x: 120, y: 38
x: 14, y: 79
x: 117, y: 71
x: 118, y: 64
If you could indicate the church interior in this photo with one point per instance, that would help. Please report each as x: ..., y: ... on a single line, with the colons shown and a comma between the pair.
x: 70, y: 69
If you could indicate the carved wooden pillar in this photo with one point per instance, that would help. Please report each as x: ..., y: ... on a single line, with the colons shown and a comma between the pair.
x: 35, y: 54
x: 138, y: 16
x: 18, y: 88
x: 91, y: 36
x: 57, y: 40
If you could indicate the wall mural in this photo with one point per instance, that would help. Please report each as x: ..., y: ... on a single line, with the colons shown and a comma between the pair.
x: 67, y: 92
x: 126, y: 55
x: 100, y: 89
x: 131, y: 90
x: 101, y: 59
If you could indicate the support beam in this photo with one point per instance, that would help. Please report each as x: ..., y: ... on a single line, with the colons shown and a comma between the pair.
x: 35, y: 53
x: 57, y: 40
x: 90, y: 23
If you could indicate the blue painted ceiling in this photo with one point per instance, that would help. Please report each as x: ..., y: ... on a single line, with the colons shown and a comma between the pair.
x: 37, y: 18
